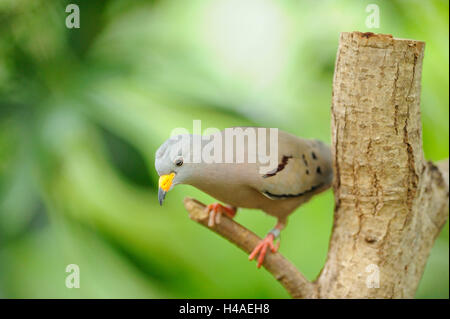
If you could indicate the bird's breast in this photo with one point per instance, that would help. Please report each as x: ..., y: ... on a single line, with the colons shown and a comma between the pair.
x: 229, y: 183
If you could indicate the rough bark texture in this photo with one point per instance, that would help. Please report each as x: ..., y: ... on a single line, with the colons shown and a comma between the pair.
x: 390, y: 204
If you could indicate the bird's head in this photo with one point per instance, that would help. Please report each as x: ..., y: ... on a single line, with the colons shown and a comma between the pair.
x: 172, y: 163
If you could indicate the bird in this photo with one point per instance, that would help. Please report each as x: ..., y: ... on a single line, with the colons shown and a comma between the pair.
x: 303, y: 168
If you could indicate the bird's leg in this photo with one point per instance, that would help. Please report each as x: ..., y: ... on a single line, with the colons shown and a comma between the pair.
x: 216, y: 210
x: 267, y: 242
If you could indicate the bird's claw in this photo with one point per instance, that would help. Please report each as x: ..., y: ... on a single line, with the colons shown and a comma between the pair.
x: 215, y: 212
x: 261, y: 248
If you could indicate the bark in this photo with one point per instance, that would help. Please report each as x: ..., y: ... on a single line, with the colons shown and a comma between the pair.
x: 390, y: 204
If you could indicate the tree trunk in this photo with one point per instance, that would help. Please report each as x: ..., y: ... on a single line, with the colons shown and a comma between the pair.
x: 390, y: 204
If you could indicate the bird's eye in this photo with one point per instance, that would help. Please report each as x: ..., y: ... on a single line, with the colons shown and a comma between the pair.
x: 179, y: 162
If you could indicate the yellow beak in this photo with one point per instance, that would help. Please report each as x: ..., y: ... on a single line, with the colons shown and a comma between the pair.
x: 165, y: 182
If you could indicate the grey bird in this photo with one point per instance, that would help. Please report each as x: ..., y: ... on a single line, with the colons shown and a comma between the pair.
x: 303, y: 168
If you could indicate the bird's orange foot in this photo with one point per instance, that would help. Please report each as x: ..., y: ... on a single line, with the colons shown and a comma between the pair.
x: 261, y: 248
x: 216, y: 210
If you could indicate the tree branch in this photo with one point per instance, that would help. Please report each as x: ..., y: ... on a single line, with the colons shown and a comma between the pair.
x: 281, y: 268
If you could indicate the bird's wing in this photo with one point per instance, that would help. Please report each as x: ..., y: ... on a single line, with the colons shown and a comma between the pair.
x: 303, y: 167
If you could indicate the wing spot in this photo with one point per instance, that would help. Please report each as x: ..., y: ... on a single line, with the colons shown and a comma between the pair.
x: 304, y: 160
x: 280, y: 167
x: 314, y: 155
x: 318, y: 170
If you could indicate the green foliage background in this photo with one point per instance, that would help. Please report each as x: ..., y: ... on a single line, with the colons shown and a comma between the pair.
x: 82, y: 112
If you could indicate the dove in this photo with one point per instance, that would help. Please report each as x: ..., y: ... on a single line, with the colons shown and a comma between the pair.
x: 238, y: 174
